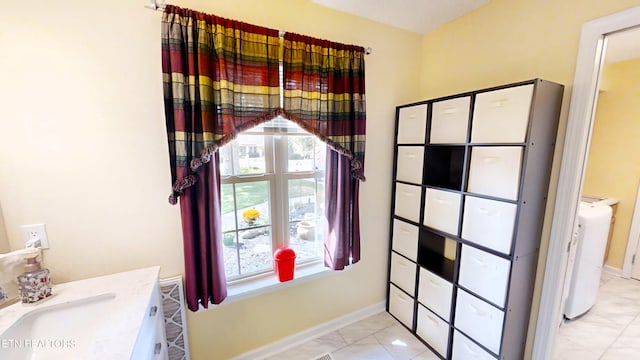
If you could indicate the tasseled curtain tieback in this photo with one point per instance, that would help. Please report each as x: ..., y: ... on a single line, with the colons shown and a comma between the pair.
x: 205, y: 156
x: 178, y: 188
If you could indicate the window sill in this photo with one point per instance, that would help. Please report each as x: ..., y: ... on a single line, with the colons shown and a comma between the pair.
x: 263, y: 284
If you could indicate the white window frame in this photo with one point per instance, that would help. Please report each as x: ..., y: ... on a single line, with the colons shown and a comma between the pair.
x: 277, y: 177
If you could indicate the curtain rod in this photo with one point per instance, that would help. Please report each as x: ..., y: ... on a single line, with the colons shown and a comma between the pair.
x: 154, y: 5
x: 160, y: 5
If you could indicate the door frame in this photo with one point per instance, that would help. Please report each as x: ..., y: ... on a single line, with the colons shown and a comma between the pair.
x: 576, y: 145
x: 634, y: 238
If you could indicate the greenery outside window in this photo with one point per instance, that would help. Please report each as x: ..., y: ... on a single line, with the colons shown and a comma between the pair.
x: 272, y: 195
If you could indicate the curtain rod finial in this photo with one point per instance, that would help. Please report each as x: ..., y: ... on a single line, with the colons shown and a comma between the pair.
x: 368, y: 50
x: 156, y: 4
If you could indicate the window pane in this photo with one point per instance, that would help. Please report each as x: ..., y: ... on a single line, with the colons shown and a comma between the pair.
x: 305, y: 153
x: 320, y: 218
x: 246, y: 228
x: 226, y: 160
x: 320, y: 155
x: 302, y: 199
x: 255, y: 250
x: 227, y: 207
x: 251, y: 155
x: 252, y: 202
x: 230, y: 250
x: 243, y: 156
x: 305, y: 218
x: 248, y: 201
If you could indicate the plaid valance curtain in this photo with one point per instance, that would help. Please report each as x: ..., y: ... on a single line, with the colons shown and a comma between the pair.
x: 324, y: 93
x: 221, y: 77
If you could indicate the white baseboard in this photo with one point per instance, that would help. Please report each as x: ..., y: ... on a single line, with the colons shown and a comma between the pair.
x: 612, y: 270
x: 311, y: 333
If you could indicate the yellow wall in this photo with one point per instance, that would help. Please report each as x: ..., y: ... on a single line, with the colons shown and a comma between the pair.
x: 613, y: 168
x: 83, y: 150
x: 507, y: 41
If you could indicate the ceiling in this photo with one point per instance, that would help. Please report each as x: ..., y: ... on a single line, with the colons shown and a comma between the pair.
x: 420, y: 16
x: 423, y: 16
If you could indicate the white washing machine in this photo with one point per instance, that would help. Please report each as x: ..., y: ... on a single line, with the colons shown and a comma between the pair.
x: 593, y: 230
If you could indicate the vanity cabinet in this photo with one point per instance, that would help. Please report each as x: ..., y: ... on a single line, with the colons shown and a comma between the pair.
x: 151, y: 342
x: 470, y: 180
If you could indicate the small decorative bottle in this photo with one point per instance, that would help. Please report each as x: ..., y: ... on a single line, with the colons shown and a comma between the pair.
x: 35, y: 284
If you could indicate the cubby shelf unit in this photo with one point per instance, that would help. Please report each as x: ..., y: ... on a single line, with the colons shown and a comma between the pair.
x: 470, y: 182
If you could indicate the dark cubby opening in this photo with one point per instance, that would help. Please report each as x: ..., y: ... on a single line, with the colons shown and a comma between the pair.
x: 437, y: 254
x: 443, y: 166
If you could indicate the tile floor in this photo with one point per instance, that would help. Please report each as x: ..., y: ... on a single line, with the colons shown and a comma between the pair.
x: 379, y: 337
x: 610, y: 330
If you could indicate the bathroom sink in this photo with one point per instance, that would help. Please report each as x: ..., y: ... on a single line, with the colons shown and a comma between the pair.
x: 100, y: 318
x: 59, y: 331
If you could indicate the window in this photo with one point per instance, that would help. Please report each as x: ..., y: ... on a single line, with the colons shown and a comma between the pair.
x: 272, y: 195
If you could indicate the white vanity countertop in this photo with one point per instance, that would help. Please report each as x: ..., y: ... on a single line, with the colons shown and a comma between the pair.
x: 127, y: 309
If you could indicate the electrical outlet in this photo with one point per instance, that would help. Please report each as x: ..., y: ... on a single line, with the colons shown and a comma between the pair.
x: 34, y: 234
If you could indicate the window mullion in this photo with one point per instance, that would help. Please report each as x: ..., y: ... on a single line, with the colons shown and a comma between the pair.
x: 281, y: 187
x: 307, y: 175
x: 271, y: 165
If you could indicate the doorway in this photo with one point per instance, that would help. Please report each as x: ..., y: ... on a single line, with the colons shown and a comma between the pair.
x: 612, y: 170
x: 633, y: 247
x: 579, y: 126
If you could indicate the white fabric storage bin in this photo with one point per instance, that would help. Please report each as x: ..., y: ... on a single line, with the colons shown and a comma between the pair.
x: 479, y: 320
x: 489, y: 223
x: 403, y: 273
x: 408, y: 201
x: 433, y: 330
x: 465, y: 349
x: 401, y: 306
x: 412, y: 124
x: 450, y: 121
x: 495, y: 171
x: 409, y: 164
x: 485, y: 274
x: 502, y: 115
x: 435, y: 293
x: 405, y: 239
x: 442, y: 210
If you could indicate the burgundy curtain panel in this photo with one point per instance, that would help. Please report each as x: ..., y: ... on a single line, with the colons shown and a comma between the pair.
x: 324, y: 92
x: 220, y: 77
